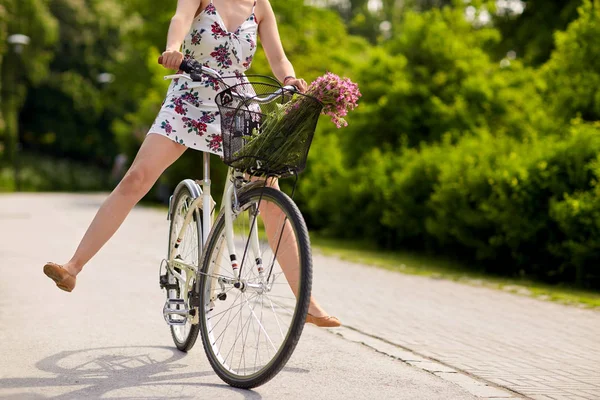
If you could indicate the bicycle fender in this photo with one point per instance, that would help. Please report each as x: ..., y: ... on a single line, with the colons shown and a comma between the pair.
x: 193, y: 187
x: 252, y: 185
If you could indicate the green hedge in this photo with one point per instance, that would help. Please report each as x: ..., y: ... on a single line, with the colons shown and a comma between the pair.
x: 494, y: 198
x: 39, y: 173
x: 511, y: 207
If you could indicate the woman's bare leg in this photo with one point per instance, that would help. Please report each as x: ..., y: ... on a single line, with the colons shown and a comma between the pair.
x: 154, y: 156
x: 287, y: 254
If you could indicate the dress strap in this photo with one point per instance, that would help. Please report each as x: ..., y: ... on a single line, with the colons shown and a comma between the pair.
x: 253, y: 7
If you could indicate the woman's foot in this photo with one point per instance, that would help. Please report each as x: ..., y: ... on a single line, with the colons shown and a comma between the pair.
x: 317, y: 316
x: 63, y: 277
x: 324, y: 322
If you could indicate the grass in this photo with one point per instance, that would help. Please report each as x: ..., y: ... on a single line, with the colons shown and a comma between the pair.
x: 418, y: 264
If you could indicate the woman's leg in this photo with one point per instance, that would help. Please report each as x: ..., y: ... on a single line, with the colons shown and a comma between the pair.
x: 154, y: 156
x: 287, y: 254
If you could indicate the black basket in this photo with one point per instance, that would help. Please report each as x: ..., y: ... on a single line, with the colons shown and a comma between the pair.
x: 266, y: 130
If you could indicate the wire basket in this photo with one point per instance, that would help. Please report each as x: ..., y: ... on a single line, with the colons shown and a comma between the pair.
x: 266, y: 130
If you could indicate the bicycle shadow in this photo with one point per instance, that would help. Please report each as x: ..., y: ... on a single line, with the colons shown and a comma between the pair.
x: 125, y: 371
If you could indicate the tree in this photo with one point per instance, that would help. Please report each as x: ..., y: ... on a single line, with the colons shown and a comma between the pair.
x: 364, y: 18
x: 434, y: 78
x: 530, y: 34
x: 32, y: 18
x: 573, y: 72
x: 3, y: 47
x: 71, y: 111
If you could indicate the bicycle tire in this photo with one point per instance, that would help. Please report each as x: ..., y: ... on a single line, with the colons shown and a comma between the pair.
x: 190, y: 339
x: 302, y: 298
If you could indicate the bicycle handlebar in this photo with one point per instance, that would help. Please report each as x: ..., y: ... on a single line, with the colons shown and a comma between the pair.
x: 195, y: 69
x: 186, y: 65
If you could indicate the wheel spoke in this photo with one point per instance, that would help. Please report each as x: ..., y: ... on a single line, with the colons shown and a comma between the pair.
x: 213, y: 326
x: 237, y: 335
x: 276, y: 318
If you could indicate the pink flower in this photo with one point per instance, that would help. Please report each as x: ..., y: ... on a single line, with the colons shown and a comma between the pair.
x: 338, y: 95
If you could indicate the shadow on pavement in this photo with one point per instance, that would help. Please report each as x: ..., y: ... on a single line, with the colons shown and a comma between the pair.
x: 124, y: 371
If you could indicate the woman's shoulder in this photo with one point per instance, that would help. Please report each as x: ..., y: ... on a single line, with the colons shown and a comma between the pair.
x: 262, y: 9
x: 201, y: 7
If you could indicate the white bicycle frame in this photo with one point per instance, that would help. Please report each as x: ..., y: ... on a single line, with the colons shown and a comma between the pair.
x: 205, y: 203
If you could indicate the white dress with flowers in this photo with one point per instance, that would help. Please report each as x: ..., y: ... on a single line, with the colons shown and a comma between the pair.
x: 189, y: 114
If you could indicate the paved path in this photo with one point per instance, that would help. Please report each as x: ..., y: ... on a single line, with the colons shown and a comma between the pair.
x: 539, y: 349
x: 107, y: 339
x: 117, y: 346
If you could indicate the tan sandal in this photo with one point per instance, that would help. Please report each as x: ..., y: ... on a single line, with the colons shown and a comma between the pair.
x: 323, y: 322
x: 58, y: 274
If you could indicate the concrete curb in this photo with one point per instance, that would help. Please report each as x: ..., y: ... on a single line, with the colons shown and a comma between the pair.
x: 472, y: 384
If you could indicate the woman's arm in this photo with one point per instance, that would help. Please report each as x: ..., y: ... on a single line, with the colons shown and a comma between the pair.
x: 180, y: 25
x: 269, y: 37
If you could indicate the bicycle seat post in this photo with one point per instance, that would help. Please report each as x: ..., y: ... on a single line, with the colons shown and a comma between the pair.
x: 206, y: 201
x: 206, y: 167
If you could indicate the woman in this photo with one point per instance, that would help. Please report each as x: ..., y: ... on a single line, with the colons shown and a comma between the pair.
x: 220, y: 34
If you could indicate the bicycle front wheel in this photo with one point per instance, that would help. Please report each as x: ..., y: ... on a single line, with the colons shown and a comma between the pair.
x: 250, y: 327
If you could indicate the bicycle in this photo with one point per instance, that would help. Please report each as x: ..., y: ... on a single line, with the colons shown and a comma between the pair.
x: 248, y: 310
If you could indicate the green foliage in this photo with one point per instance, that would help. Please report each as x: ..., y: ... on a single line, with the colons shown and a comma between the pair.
x: 325, y: 183
x: 3, y: 48
x: 497, y: 201
x: 493, y: 197
x: 71, y: 111
x: 573, y: 72
x: 435, y: 79
x: 530, y: 34
x: 31, y: 18
x: 317, y: 32
x: 452, y: 153
x: 578, y: 217
x: 34, y: 19
x: 452, y: 150
x: 40, y: 173
x: 132, y: 127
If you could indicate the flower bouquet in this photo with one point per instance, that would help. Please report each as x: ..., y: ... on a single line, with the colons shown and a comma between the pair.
x: 282, y: 139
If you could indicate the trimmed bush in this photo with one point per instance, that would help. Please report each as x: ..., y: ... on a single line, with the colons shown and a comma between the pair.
x: 510, y: 207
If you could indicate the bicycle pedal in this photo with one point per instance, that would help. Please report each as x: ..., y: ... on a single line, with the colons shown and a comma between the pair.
x: 175, y: 312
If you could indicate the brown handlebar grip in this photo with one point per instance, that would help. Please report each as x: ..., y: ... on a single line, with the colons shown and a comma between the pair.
x: 160, y: 60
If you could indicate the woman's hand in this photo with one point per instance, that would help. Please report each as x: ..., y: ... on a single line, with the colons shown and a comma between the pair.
x: 172, y: 59
x: 179, y: 27
x: 298, y: 82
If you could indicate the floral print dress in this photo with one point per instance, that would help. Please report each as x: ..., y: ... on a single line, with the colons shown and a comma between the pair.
x: 189, y: 114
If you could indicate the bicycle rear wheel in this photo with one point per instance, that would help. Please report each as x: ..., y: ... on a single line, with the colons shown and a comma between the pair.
x: 250, y: 330
x: 189, y: 251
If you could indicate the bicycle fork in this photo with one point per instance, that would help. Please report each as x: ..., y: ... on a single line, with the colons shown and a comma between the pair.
x: 231, y: 205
